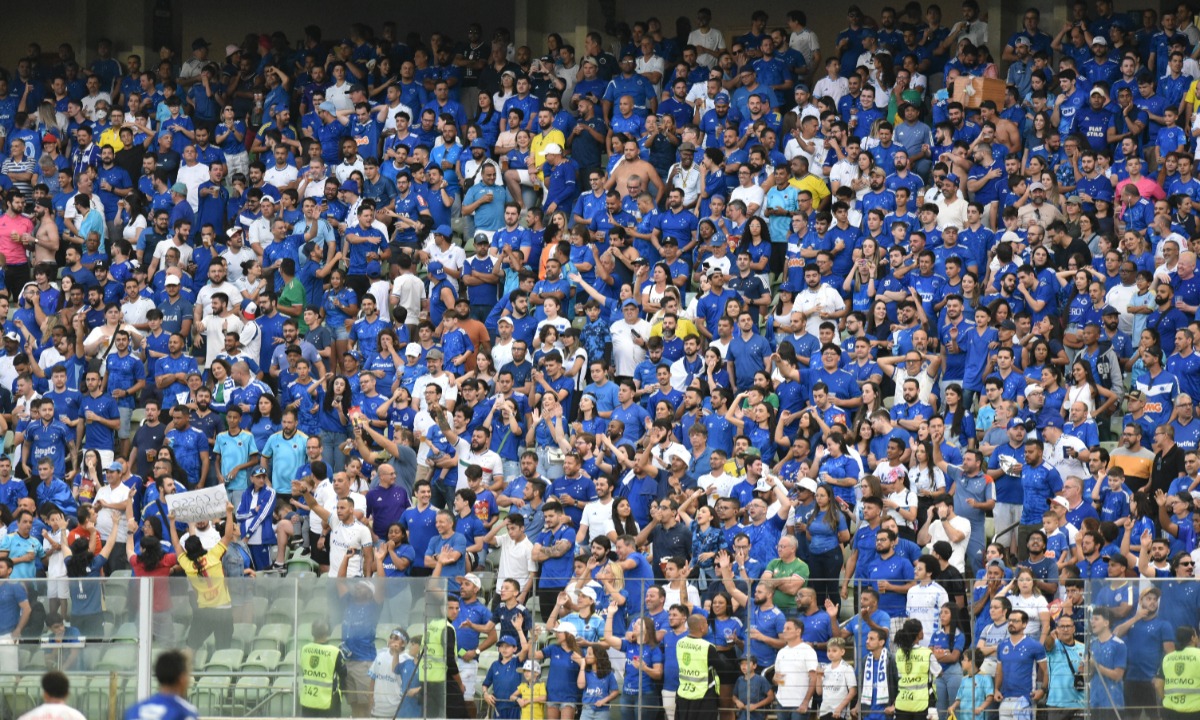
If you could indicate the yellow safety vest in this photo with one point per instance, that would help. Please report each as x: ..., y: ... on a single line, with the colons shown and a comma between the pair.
x: 696, y: 678
x: 433, y: 665
x: 915, y: 691
x: 318, y: 668
x: 1181, y: 680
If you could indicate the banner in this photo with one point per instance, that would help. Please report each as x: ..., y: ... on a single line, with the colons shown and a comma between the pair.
x: 196, y: 505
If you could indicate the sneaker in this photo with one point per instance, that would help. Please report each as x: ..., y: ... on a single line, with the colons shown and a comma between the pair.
x: 279, y: 568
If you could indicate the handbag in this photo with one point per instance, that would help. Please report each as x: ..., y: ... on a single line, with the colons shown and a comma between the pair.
x: 1079, y: 680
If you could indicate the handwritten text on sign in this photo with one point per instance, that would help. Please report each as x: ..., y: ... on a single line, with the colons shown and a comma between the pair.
x: 195, y: 505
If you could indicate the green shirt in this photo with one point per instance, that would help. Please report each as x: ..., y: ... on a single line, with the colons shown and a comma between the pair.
x: 779, y: 570
x: 293, y: 296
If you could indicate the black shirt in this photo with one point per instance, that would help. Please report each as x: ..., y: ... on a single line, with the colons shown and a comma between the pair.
x: 1167, y: 467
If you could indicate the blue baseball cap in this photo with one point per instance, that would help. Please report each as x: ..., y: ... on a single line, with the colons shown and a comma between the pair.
x: 436, y: 269
x: 721, y: 99
x: 478, y: 144
x: 953, y: 178
x: 1016, y: 422
x: 348, y: 186
x: 508, y: 640
x: 328, y: 107
x: 444, y: 231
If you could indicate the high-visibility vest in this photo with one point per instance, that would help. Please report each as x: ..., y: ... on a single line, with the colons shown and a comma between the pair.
x: 915, y: 693
x: 696, y: 678
x: 1181, y: 680
x: 318, y: 668
x: 433, y: 665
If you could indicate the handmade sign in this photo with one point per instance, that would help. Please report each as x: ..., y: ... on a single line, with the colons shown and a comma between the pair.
x: 196, y: 505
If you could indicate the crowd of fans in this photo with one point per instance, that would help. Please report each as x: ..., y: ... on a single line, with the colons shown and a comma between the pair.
x: 751, y: 325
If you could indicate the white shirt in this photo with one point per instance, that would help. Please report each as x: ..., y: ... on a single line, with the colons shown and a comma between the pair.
x: 409, y: 291
x: 449, y: 389
x: 831, y: 87
x: 1119, y: 297
x: 1067, y: 466
x: 193, y: 177
x: 627, y: 355
x: 343, y: 170
x: 214, y: 334
x: 104, y: 518
x: 339, y: 95
x: 502, y: 353
x: 343, y: 537
x: 53, y: 711
x: 806, y: 43
x: 711, y: 39
x: 795, y: 664
x: 597, y: 516
x: 816, y: 158
x: 675, y: 597
x: 952, y: 213
x: 185, y: 252
x: 385, y: 697
x: 836, y: 683
x: 89, y: 103
x: 452, y: 257
x: 134, y: 312
x: 958, y: 552
x: 280, y: 176
x: 843, y: 172
x: 234, y: 260
x: 752, y: 195
x: 516, y: 560
x: 204, y: 297
x: 814, y: 302
x: 925, y: 603
x: 488, y: 461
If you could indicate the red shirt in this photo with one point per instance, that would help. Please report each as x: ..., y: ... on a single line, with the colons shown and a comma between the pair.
x: 162, y: 590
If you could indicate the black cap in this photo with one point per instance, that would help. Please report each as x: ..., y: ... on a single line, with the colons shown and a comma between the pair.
x: 1110, y: 310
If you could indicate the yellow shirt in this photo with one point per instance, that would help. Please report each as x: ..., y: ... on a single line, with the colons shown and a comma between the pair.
x: 208, y: 578
x: 814, y: 185
x: 537, y: 148
x: 111, y: 136
x: 683, y: 328
x: 536, y: 710
x: 1192, y: 97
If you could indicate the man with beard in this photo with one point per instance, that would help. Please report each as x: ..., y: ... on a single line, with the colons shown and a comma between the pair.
x: 631, y: 164
x: 217, y: 283
x: 46, y: 242
x: 1148, y: 638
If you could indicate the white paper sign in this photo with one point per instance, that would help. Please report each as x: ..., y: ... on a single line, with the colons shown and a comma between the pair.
x: 195, y: 505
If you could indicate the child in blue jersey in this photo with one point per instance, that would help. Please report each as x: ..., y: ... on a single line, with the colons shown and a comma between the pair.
x: 975, y: 692
x: 502, y: 680
x: 599, y: 685
x: 752, y: 693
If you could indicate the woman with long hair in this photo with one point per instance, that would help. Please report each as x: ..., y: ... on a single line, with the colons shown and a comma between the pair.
x: 757, y: 424
x: 213, y: 615
x: 84, y: 571
x: 394, y: 556
x: 901, y: 504
x: 341, y: 307
x: 836, y: 467
x: 487, y: 119
x: 1083, y: 388
x: 958, y: 421
x: 872, y: 400
x: 623, y: 518
x: 948, y: 642
x: 222, y: 384
x: 756, y: 240
x: 1023, y: 593
x: 653, y: 293
x: 598, y: 683
x: 266, y: 419
x: 334, y: 421
x: 727, y: 632
x: 562, y: 694
x: 860, y: 283
x: 153, y: 561
x: 928, y: 481
x: 826, y: 532
x: 1054, y: 394
x: 90, y: 479
x: 911, y: 659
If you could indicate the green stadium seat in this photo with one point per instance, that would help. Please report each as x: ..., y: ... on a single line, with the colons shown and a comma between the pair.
x: 272, y: 637
x: 251, y: 692
x: 261, y: 660
x: 121, y: 658
x: 226, y: 660
x: 283, y: 698
x: 126, y: 633
x: 209, y: 694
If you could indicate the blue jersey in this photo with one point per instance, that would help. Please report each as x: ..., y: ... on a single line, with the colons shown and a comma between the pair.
x: 163, y: 707
x: 48, y: 441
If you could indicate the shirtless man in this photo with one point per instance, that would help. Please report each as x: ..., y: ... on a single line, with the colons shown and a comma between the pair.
x: 632, y: 164
x: 1007, y: 133
x: 46, y: 233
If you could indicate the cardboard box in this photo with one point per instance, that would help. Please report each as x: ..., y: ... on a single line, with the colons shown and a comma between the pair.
x: 982, y: 89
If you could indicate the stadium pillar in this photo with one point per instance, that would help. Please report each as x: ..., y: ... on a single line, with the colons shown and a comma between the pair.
x: 145, y: 659
x: 534, y: 19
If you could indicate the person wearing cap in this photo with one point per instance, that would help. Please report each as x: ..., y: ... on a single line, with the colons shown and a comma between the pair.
x: 952, y: 207
x: 254, y: 514
x: 115, y: 495
x: 503, y: 679
x: 1096, y: 121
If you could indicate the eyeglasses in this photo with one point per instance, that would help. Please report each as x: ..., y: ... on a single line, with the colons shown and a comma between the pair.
x: 1186, y: 563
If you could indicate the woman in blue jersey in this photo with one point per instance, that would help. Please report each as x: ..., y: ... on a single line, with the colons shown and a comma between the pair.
x: 643, y: 667
x: 826, y: 532
x: 836, y: 468
x: 757, y: 424
x: 341, y: 306
x: 333, y: 419
x: 562, y: 692
x: 948, y: 643
x: 589, y: 420
x: 598, y: 683
x: 487, y: 119
x: 394, y: 556
x: 265, y: 420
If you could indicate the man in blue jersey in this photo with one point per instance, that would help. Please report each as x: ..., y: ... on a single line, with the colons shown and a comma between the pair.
x: 190, y: 445
x: 173, y: 673
x: 46, y: 437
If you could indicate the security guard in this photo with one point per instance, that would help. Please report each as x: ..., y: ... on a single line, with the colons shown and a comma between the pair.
x: 1180, y: 677
x: 438, y: 665
x: 914, y: 677
x: 699, y: 662
x: 322, y: 674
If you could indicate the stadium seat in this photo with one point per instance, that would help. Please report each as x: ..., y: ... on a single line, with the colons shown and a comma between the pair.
x: 251, y: 693
x: 226, y: 660
x: 273, y: 637
x: 209, y: 694
x: 243, y: 635
x: 120, y: 658
x: 283, y: 698
x: 126, y: 633
x: 261, y: 660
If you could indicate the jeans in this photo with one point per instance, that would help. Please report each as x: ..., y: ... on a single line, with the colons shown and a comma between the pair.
x: 639, y: 706
x: 947, y: 688
x: 593, y: 713
x: 824, y: 570
x: 331, y: 451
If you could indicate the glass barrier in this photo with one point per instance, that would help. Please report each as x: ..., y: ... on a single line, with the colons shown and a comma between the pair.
x: 247, y: 638
x: 1104, y: 641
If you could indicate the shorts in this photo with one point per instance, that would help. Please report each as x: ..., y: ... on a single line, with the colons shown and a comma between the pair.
x: 58, y: 589
x: 560, y: 705
x: 358, y: 681
x: 126, y: 415
x: 524, y: 178
x: 339, y: 332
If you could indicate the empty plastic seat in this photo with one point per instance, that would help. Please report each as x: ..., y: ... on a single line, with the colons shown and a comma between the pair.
x: 209, y: 694
x: 261, y: 660
x: 226, y: 660
x: 120, y: 658
x: 251, y: 692
x: 273, y: 637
